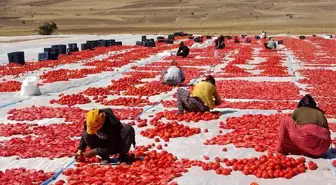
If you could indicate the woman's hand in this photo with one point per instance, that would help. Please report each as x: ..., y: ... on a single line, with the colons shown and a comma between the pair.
x: 78, y: 154
x: 91, y: 153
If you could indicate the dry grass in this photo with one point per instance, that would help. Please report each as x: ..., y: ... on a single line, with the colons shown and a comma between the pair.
x: 22, y: 17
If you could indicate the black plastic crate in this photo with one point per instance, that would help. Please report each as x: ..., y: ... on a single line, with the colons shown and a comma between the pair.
x: 86, y: 46
x: 72, y: 45
x: 139, y: 43
x: 143, y: 38
x: 16, y: 57
x: 43, y: 56
x: 110, y: 42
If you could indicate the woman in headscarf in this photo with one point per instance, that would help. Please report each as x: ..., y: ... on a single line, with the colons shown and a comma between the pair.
x: 219, y: 42
x: 105, y: 135
x: 307, y: 132
x: 203, y: 97
x: 174, y: 75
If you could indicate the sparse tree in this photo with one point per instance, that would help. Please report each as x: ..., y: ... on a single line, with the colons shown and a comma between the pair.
x: 48, y: 28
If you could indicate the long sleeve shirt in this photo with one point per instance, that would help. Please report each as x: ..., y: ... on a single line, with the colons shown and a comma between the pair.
x: 307, y: 115
x: 110, y: 132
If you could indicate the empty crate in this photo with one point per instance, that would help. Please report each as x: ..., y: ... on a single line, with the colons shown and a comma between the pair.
x: 43, y: 56
x: 16, y: 57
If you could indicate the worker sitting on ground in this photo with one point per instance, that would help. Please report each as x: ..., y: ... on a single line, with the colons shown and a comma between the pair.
x: 201, y: 99
x: 219, y: 42
x: 105, y: 135
x: 270, y: 44
x: 248, y: 39
x: 307, y: 132
x: 174, y: 75
x: 183, y: 50
x: 236, y: 39
x: 263, y: 35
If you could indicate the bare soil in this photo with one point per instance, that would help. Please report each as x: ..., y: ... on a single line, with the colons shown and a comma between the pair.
x: 22, y: 17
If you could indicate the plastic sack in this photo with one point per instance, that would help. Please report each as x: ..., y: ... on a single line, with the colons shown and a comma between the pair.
x: 30, y: 87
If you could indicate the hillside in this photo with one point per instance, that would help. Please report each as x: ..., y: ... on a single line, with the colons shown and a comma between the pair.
x: 22, y: 17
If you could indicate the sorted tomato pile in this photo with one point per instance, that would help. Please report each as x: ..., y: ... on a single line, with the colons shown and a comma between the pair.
x: 261, y: 90
x: 188, y: 116
x: 149, y: 89
x: 270, y: 166
x: 131, y: 102
x: 38, y: 113
x: 72, y: 99
x: 250, y: 131
x: 23, y: 176
x: 10, y: 86
x: 170, y: 130
x: 265, y: 105
x: 156, y: 168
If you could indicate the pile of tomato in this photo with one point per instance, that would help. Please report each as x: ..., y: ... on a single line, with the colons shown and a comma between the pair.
x: 72, y: 99
x: 250, y: 131
x: 156, y: 168
x: 130, y: 102
x: 170, y: 130
x: 23, y: 176
x: 149, y: 89
x: 10, y: 86
x: 241, y: 89
x: 188, y: 116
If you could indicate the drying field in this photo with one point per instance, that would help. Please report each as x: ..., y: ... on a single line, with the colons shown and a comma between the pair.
x: 234, y: 144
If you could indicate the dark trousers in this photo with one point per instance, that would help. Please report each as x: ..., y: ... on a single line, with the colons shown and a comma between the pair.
x: 127, y: 139
x: 183, y: 54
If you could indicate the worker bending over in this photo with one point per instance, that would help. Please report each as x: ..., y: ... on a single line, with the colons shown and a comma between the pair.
x: 307, y: 132
x: 174, y: 75
x: 201, y: 99
x: 105, y: 135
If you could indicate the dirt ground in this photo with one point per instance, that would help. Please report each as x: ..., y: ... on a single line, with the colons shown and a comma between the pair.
x: 22, y: 17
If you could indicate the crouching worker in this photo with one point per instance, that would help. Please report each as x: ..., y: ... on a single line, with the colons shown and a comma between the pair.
x: 307, y: 132
x: 201, y: 99
x: 219, y: 42
x: 105, y: 135
x: 183, y: 50
x: 236, y: 39
x: 270, y: 44
x: 174, y: 75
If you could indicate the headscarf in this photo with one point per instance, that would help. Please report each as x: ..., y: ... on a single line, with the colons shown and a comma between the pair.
x: 94, y: 121
x: 210, y: 79
x: 308, y: 101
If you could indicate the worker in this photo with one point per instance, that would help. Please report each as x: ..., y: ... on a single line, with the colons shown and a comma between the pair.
x: 174, y: 75
x: 219, y: 42
x: 201, y: 99
x: 183, y: 50
x: 248, y: 39
x: 263, y: 35
x: 236, y: 39
x: 105, y: 135
x: 306, y: 132
x: 270, y: 44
